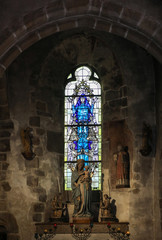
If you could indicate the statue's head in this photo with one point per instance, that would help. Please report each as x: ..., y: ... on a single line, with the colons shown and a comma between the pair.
x: 119, y: 147
x: 86, y: 167
x: 105, y: 196
x: 82, y: 99
x: 80, y: 164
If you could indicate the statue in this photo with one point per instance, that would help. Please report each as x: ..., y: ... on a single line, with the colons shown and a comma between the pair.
x: 81, y: 187
x: 87, y: 177
x: 59, y: 209
x: 105, y: 206
x: 26, y: 137
x: 146, y: 140
x: 122, y: 167
x: 107, y: 213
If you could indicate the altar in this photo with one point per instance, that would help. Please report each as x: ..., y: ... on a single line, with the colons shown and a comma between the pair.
x: 93, y: 231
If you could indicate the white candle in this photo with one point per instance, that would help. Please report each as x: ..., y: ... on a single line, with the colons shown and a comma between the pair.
x: 109, y: 187
x: 58, y: 181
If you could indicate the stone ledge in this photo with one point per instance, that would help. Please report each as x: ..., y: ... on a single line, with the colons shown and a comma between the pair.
x: 65, y: 228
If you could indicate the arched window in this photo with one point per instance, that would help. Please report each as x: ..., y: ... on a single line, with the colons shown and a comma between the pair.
x: 82, y: 133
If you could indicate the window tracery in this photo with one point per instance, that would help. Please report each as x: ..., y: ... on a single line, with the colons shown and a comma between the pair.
x: 82, y: 134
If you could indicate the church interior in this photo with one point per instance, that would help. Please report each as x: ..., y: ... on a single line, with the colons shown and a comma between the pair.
x: 80, y: 119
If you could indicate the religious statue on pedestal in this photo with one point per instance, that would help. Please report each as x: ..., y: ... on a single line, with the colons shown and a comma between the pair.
x: 107, y: 210
x: 26, y: 138
x: 121, y: 157
x: 81, y: 187
x: 59, y: 209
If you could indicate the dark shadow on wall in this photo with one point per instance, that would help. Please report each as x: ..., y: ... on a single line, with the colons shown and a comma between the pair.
x: 3, y: 233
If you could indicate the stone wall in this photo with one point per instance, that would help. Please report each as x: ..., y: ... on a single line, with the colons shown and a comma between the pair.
x: 158, y: 162
x: 36, y: 82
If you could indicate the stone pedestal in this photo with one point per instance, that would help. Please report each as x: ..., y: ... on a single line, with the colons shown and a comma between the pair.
x: 105, y: 219
x: 82, y: 219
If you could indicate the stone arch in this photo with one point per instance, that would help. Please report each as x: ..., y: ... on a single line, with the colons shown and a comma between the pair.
x: 107, y: 16
x: 106, y: 110
x: 8, y: 221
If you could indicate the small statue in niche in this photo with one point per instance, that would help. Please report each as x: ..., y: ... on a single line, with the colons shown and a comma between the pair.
x: 59, y: 209
x: 26, y: 138
x: 146, y: 140
x: 106, y: 206
x: 107, y: 213
x: 121, y: 157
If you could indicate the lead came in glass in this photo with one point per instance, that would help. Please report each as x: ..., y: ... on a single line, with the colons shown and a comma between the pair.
x: 83, y: 125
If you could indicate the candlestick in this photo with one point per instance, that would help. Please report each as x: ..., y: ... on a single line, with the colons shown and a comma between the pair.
x: 109, y: 187
x: 58, y: 181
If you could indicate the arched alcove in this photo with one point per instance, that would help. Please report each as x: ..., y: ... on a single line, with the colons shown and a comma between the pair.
x: 38, y: 78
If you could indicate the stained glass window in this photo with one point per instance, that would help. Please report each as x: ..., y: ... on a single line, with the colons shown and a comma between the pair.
x: 82, y: 134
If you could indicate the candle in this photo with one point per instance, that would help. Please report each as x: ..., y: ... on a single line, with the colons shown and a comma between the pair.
x: 127, y: 233
x: 109, y: 187
x: 58, y: 181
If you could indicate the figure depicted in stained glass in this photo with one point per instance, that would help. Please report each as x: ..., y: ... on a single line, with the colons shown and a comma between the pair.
x: 82, y: 112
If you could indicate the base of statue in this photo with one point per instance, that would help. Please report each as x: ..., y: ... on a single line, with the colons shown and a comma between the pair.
x: 82, y: 219
x: 58, y: 219
x: 123, y: 186
x: 105, y: 219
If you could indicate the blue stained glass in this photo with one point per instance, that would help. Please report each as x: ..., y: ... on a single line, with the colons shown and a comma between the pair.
x: 83, y: 124
x: 82, y: 110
